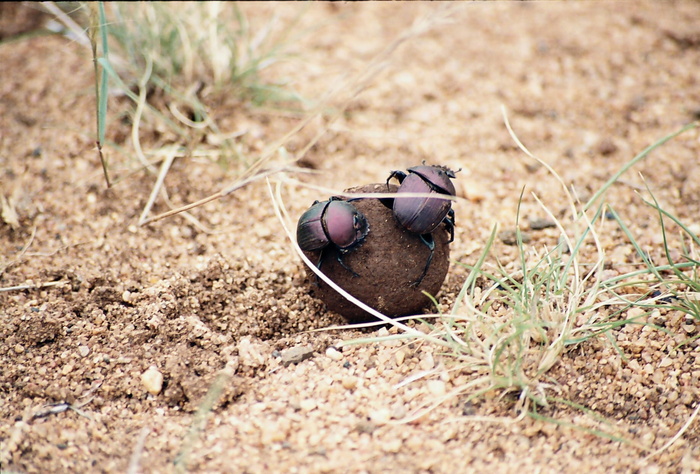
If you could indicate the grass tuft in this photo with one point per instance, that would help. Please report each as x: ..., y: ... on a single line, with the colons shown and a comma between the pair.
x: 512, y: 321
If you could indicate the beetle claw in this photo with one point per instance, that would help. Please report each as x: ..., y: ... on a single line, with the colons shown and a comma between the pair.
x: 399, y: 175
x: 346, y: 266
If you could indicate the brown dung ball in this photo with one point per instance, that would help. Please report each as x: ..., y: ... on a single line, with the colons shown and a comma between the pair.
x: 388, y: 261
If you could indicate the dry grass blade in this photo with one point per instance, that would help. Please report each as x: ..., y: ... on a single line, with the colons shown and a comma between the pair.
x: 510, y: 333
x: 137, y: 454
x: 164, y: 168
x: 200, y: 417
x: 677, y: 436
x: 355, y: 86
x: 238, y: 185
x: 5, y: 265
x: 35, y: 286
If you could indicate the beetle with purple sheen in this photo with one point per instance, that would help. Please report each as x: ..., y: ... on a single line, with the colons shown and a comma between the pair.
x: 333, y: 222
x: 422, y: 215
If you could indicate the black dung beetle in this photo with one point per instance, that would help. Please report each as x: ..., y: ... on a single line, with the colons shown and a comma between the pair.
x: 333, y: 222
x: 422, y: 215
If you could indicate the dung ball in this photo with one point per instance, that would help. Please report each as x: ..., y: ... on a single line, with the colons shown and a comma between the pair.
x: 387, y: 262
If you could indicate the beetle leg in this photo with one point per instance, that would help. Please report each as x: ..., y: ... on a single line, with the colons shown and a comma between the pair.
x: 427, y: 239
x: 450, y: 224
x: 322, y: 257
x: 318, y: 265
x: 387, y: 202
x: 345, y: 265
x: 399, y: 175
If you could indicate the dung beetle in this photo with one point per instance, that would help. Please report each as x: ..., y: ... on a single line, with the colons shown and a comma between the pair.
x: 332, y: 223
x: 422, y: 215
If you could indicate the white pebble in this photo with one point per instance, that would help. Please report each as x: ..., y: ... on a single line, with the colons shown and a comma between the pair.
x: 334, y: 354
x: 152, y: 380
x: 437, y: 387
x: 380, y: 416
x: 307, y: 404
x: 349, y: 382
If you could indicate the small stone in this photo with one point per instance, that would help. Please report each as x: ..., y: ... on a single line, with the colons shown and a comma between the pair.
x: 634, y: 313
x: 308, y: 404
x: 365, y: 426
x: 606, y: 146
x: 349, y: 382
x: 152, y: 380
x: 541, y: 223
x: 400, y: 356
x: 437, y: 387
x: 83, y: 351
x: 427, y: 362
x: 510, y: 237
x: 296, y: 354
x: 334, y: 354
x: 657, y: 319
x: 392, y: 445
x: 19, y: 348
x: 380, y: 416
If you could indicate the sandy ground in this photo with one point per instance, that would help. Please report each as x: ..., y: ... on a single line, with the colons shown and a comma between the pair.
x: 587, y: 86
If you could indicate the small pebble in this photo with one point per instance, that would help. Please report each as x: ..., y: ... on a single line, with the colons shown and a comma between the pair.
x: 365, y: 426
x: 437, y: 387
x: 83, y: 351
x: 399, y: 412
x: 606, y: 146
x: 349, y: 382
x: 152, y: 380
x: 334, y: 354
x: 541, y: 223
x: 307, y: 404
x: 392, y: 445
x: 380, y: 416
x: 296, y: 354
x: 509, y: 237
x: 400, y: 356
x: 635, y: 314
x: 427, y: 361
